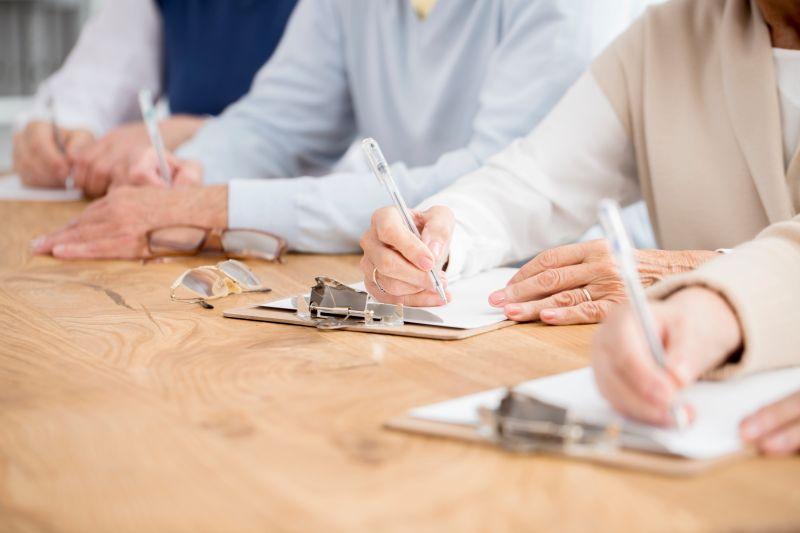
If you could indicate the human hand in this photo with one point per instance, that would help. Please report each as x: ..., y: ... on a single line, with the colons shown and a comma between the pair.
x: 775, y: 429
x: 109, y: 160
x: 115, y: 227
x: 400, y: 261
x: 147, y: 172
x: 578, y: 283
x: 37, y: 157
x: 699, y: 331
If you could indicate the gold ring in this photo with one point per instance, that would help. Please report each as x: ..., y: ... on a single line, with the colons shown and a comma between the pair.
x: 375, y: 280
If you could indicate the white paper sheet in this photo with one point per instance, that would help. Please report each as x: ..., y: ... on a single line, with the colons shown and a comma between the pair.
x: 720, y: 407
x: 11, y: 188
x: 469, y: 308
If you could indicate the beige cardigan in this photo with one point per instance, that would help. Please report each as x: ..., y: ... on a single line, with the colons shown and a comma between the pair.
x: 693, y: 82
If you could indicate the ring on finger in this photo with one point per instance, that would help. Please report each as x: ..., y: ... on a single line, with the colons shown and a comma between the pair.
x: 375, y: 280
x: 586, y: 294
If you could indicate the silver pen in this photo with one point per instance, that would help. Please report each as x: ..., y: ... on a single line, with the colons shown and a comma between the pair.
x: 151, y: 124
x: 381, y: 170
x: 623, y: 251
x: 69, y: 183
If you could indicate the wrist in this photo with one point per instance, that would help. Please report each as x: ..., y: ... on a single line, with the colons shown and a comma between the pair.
x: 178, y: 129
x: 723, y: 330
x: 200, y: 206
x: 655, y: 265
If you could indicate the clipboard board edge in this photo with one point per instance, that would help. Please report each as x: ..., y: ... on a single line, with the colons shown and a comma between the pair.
x: 276, y: 316
x: 640, y: 461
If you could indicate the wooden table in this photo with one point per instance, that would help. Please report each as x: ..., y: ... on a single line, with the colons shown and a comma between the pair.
x: 123, y: 411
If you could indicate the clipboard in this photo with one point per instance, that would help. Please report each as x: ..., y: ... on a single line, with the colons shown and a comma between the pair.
x: 468, y: 315
x: 277, y: 316
x: 653, y: 463
x: 565, y: 415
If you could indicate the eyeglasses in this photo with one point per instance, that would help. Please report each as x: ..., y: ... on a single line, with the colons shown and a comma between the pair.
x: 172, y: 241
x: 203, y: 283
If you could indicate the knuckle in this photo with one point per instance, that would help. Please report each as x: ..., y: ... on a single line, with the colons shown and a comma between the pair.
x: 548, y: 259
x: 566, y: 299
x: 549, y: 279
x: 594, y: 311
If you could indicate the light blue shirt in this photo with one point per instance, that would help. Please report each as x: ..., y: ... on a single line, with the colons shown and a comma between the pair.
x: 440, y: 96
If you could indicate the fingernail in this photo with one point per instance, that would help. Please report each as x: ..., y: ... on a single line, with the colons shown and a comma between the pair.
x: 436, y: 249
x: 37, y: 243
x: 549, y: 314
x: 497, y: 298
x: 426, y: 263
x: 59, y: 249
x: 512, y: 310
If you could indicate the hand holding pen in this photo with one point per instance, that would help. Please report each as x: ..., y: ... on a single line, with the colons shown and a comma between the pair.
x: 44, y: 151
x: 404, y: 250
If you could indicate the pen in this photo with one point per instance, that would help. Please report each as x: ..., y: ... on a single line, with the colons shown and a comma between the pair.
x: 381, y: 170
x: 623, y: 251
x: 69, y: 183
x: 150, y: 122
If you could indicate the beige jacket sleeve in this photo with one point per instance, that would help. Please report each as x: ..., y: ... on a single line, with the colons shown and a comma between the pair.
x: 761, y: 281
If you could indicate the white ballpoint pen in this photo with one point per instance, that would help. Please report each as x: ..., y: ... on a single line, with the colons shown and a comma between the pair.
x: 623, y: 251
x: 151, y: 124
x: 381, y: 170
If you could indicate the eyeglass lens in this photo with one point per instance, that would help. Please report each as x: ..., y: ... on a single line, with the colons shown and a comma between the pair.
x: 180, y: 239
x: 247, y: 243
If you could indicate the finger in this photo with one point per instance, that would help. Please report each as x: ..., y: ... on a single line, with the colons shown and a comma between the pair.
x: 629, y: 357
x: 393, y: 265
x: 571, y: 254
x: 626, y: 400
x: 32, y: 169
x: 438, y: 230
x: 43, y: 145
x: 399, y: 288
x: 393, y: 232
x: 783, y: 441
x: 76, y: 141
x: 529, y: 311
x: 770, y: 418
x: 585, y: 313
x: 69, y: 235
x: 188, y: 174
x: 546, y: 283
x: 123, y: 247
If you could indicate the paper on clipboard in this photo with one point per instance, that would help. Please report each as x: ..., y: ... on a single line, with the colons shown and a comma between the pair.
x: 719, y: 406
x: 469, y: 308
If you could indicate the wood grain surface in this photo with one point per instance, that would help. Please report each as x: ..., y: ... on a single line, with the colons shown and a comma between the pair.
x: 122, y: 411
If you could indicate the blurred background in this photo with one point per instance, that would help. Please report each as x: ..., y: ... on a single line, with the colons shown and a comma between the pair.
x: 35, y: 37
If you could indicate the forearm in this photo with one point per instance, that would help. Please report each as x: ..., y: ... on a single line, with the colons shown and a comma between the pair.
x: 178, y: 129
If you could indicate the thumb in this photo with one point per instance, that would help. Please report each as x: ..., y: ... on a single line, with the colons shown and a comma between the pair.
x: 437, y: 230
x: 77, y: 140
x: 188, y: 174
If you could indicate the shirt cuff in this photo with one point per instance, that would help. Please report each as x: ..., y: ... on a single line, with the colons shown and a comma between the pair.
x: 264, y: 205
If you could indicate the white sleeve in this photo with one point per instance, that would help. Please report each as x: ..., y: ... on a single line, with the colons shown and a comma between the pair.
x: 119, y: 52
x: 542, y: 191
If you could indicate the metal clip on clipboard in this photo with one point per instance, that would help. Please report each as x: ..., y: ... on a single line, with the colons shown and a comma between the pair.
x: 333, y: 305
x: 525, y: 424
